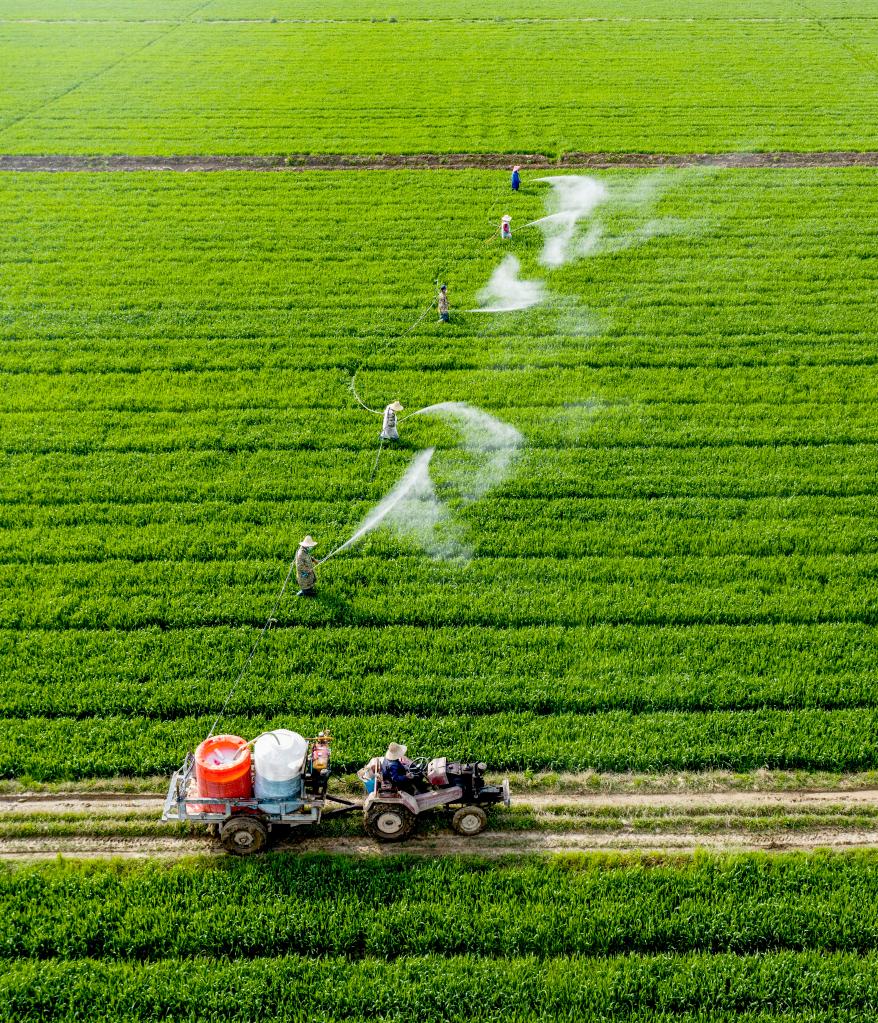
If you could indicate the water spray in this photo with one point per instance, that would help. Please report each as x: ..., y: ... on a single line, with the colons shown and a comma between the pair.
x: 412, y: 481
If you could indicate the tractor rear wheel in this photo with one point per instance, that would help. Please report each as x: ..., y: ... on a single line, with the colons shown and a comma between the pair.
x: 388, y: 823
x: 469, y: 820
x: 243, y: 835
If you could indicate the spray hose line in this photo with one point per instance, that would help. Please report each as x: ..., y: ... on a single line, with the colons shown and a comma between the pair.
x: 268, y: 623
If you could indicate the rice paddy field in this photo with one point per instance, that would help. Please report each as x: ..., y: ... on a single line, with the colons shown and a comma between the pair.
x: 225, y: 76
x: 672, y: 573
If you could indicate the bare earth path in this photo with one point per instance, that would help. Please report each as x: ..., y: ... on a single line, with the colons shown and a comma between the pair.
x: 719, y: 821
x: 433, y: 161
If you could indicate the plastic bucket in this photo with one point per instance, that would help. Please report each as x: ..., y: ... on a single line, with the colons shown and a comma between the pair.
x: 223, y: 768
x: 278, y: 764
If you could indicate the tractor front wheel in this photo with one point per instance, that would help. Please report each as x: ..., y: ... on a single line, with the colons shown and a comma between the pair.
x: 469, y: 821
x: 388, y: 823
x: 243, y: 835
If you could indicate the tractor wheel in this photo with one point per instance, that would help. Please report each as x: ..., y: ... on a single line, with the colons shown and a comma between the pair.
x: 389, y: 823
x: 469, y: 820
x: 243, y: 835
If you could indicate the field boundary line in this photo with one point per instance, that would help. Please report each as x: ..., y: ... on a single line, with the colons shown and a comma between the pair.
x: 780, y: 159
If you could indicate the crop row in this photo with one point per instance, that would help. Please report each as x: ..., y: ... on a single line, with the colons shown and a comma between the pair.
x: 343, y: 475
x: 585, y: 423
x: 726, y: 344
x: 788, y: 986
x: 359, y: 87
x: 212, y: 531
x: 458, y: 670
x: 491, y: 591
x: 706, y: 665
x: 583, y: 906
x: 418, y: 10
x: 527, y: 389
x: 839, y: 740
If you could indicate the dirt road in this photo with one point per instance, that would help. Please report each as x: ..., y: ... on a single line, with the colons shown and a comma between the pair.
x: 432, y: 161
x: 43, y: 826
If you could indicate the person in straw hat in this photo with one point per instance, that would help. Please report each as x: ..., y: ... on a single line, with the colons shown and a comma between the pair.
x: 506, y: 227
x: 388, y: 427
x: 305, y: 565
x: 516, y: 178
x: 395, y: 772
x: 442, y: 303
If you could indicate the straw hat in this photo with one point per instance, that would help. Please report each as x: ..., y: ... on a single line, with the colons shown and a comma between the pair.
x: 516, y: 167
x: 395, y: 406
x: 309, y: 542
x: 395, y: 751
x: 506, y: 218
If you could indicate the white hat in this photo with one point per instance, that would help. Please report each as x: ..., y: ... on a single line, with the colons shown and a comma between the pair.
x: 506, y: 218
x: 395, y: 751
x: 309, y: 541
x: 516, y: 167
x: 395, y: 406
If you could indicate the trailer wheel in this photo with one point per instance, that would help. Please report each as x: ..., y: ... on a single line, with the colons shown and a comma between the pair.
x: 469, y: 820
x: 389, y: 823
x: 243, y: 835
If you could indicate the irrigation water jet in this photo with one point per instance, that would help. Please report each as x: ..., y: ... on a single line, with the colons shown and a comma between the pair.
x: 495, y: 443
x: 505, y: 293
x: 409, y: 486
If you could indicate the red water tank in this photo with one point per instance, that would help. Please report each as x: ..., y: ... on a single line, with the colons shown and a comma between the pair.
x: 222, y: 768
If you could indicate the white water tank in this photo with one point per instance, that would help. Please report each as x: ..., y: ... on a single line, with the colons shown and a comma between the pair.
x: 278, y: 765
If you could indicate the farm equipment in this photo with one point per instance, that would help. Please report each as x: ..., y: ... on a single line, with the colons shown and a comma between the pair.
x: 285, y: 782
x: 391, y: 814
x: 244, y: 819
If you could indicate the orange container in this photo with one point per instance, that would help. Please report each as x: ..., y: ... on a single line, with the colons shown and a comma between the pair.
x: 222, y: 768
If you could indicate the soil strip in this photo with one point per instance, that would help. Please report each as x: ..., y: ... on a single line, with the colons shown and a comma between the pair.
x: 796, y: 801
x: 489, y: 844
x: 434, y: 161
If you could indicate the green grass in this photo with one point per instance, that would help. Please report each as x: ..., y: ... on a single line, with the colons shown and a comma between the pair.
x: 679, y: 573
x: 183, y: 78
x: 581, y: 905
x: 780, y: 987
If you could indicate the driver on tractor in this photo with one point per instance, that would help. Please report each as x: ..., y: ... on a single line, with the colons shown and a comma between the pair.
x: 397, y: 771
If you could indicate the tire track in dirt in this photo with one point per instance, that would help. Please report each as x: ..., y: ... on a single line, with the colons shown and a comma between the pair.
x: 739, y: 801
x: 620, y: 835
x: 489, y: 844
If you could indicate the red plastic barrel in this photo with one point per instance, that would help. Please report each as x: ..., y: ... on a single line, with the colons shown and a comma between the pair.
x: 222, y: 768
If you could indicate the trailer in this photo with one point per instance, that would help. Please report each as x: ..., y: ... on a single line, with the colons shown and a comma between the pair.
x: 244, y: 825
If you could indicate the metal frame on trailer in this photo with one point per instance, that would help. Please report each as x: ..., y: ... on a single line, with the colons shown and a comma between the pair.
x: 179, y: 804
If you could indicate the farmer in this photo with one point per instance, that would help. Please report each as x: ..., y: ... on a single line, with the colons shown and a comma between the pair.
x: 305, y: 565
x: 443, y: 303
x: 506, y: 227
x: 388, y: 427
x: 516, y: 178
x: 368, y: 775
x: 395, y: 771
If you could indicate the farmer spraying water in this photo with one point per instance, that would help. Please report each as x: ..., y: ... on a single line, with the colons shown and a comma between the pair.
x: 388, y: 427
x: 442, y: 303
x: 506, y: 227
x: 516, y: 179
x: 306, y: 577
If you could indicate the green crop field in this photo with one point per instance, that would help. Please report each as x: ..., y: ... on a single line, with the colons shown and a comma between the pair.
x: 678, y: 571
x: 642, y: 561
x: 792, y: 939
x: 287, y: 76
